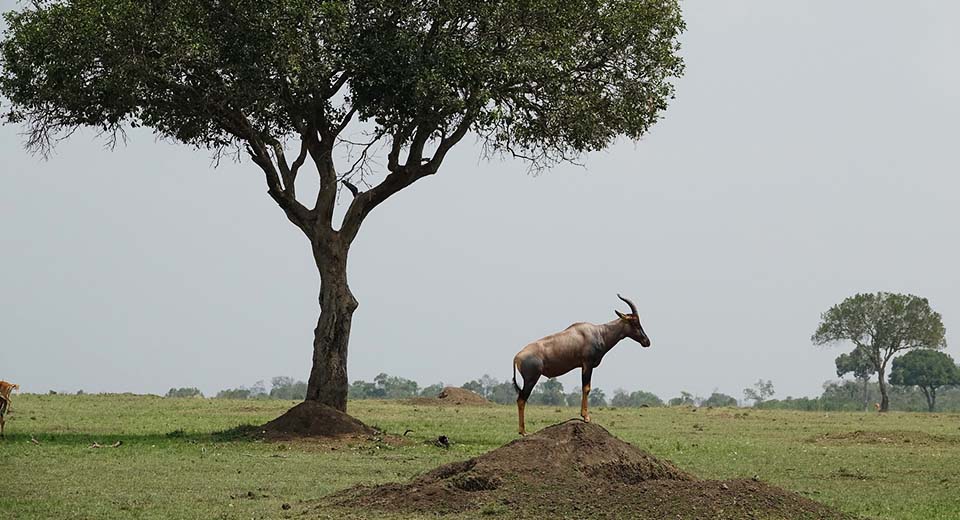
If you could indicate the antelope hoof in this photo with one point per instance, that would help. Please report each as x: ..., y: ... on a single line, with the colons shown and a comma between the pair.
x: 586, y: 418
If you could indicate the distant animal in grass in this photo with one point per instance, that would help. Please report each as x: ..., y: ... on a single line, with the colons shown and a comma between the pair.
x: 581, y: 345
x: 5, y: 389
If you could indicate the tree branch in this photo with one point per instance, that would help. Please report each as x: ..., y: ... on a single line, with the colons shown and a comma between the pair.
x: 321, y: 151
x: 296, y: 212
x: 364, y: 202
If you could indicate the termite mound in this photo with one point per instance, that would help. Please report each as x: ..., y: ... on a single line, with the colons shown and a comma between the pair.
x: 312, y: 419
x: 575, y: 469
x: 452, y: 396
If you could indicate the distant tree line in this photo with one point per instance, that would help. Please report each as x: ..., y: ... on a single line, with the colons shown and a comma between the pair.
x: 847, y: 396
x: 919, y: 380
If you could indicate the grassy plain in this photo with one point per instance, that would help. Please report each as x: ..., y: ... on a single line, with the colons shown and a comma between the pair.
x: 173, y: 464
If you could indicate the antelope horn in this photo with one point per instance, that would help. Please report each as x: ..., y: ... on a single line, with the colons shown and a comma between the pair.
x: 633, y: 308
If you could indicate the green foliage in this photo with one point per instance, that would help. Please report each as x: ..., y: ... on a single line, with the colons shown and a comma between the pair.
x: 235, y: 393
x: 684, y: 399
x: 501, y: 392
x: 282, y: 387
x: 859, y: 363
x: 927, y: 370
x: 396, y: 387
x: 880, y: 325
x: 718, y: 399
x: 549, y: 393
x: 847, y: 396
x: 544, y: 80
x: 257, y: 391
x: 385, y: 386
x: 637, y: 399
x: 761, y: 391
x: 432, y: 390
x: 597, y: 398
x: 475, y: 386
x: 365, y: 390
x: 184, y: 392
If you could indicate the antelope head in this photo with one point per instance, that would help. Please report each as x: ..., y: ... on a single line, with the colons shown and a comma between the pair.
x: 634, y: 329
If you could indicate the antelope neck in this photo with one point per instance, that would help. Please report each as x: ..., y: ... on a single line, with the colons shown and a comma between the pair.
x: 611, y: 333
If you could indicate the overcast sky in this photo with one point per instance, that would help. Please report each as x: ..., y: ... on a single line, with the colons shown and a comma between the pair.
x: 810, y: 154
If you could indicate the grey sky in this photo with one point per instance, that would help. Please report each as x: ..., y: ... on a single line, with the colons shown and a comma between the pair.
x: 810, y: 154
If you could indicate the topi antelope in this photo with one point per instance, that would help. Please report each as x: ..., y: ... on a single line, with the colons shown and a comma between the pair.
x: 581, y: 345
x: 5, y: 389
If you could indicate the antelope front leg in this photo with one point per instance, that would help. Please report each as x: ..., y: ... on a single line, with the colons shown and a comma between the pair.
x: 587, y: 372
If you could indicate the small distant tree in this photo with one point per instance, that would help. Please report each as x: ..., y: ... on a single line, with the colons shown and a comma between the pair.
x: 622, y: 399
x: 718, y: 400
x: 926, y: 369
x: 432, y: 390
x: 503, y: 393
x: 761, y: 391
x: 861, y: 366
x: 685, y: 399
x: 597, y: 398
x: 396, y: 387
x: 475, y: 386
x: 365, y: 390
x: 184, y: 392
x: 882, y: 324
x: 234, y: 393
x: 283, y: 387
x: 259, y: 390
x: 549, y: 392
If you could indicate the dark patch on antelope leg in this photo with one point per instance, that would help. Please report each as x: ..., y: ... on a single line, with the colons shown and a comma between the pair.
x: 530, y: 370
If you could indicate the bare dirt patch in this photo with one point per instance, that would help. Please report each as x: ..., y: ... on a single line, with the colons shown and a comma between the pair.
x: 312, y: 419
x: 577, y: 470
x: 897, y: 437
x: 452, y: 396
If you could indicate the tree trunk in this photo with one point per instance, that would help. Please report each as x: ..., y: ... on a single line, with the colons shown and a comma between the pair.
x: 328, y: 378
x: 884, y: 400
x: 931, y: 395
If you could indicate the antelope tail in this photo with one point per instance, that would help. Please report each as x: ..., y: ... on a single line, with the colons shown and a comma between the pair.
x: 515, y: 385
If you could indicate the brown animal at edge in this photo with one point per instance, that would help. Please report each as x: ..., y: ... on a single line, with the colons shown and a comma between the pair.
x: 5, y: 389
x: 581, y: 345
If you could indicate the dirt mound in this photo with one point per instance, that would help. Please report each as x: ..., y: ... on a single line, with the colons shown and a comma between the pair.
x: 576, y: 469
x: 895, y: 437
x: 454, y: 396
x: 312, y: 419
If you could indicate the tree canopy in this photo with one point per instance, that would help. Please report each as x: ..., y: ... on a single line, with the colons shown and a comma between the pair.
x: 881, y: 325
x: 926, y: 369
x: 545, y: 80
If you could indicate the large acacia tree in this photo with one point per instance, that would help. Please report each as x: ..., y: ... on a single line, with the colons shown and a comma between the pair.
x: 367, y: 95
x: 880, y: 325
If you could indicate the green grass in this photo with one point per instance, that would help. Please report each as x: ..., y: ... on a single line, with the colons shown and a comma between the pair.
x: 173, y: 464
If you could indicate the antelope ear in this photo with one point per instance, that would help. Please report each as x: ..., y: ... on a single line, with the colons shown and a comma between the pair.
x: 621, y: 316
